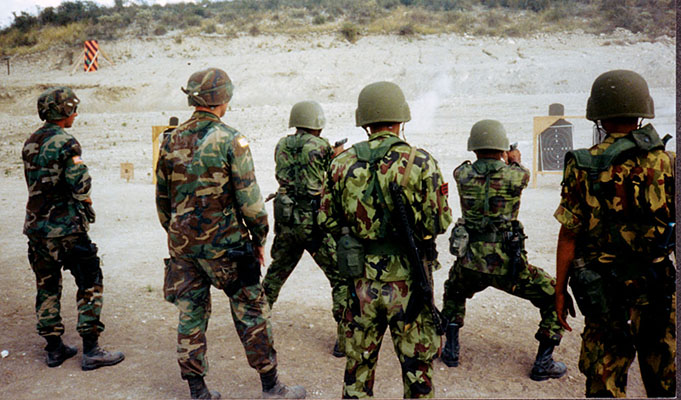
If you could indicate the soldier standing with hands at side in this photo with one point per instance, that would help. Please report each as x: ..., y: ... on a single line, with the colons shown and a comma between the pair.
x: 58, y: 214
x: 489, y: 243
x: 302, y: 160
x: 357, y: 208
x: 209, y: 203
x: 617, y: 227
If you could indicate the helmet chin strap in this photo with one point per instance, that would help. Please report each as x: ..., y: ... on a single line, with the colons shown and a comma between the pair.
x: 602, y: 133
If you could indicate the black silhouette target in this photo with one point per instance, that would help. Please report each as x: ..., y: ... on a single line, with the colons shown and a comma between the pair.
x: 554, y: 142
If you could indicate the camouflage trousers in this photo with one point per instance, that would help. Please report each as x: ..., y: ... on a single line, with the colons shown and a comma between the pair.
x: 287, y: 249
x: 610, y: 344
x: 532, y: 283
x: 188, y: 284
x: 77, y: 254
x: 374, y: 306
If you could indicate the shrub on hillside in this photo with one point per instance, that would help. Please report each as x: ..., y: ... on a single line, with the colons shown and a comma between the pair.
x: 350, y: 32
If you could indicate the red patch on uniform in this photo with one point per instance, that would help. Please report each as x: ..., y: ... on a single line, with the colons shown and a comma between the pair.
x: 444, y: 189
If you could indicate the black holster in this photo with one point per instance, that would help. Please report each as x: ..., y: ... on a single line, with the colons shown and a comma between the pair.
x: 83, y: 263
x: 247, y: 266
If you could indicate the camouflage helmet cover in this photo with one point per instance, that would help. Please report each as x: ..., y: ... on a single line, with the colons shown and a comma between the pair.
x: 381, y: 102
x: 488, y: 134
x: 57, y: 103
x: 307, y: 114
x: 209, y: 87
x: 619, y: 93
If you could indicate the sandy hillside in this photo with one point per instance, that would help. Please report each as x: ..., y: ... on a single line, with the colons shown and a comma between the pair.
x: 450, y: 82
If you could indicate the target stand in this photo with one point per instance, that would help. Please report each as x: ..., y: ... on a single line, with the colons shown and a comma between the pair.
x: 551, y: 139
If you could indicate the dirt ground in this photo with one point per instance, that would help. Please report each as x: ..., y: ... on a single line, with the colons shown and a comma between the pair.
x: 450, y: 82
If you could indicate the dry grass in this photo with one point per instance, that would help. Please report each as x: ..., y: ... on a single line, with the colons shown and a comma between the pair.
x: 356, y: 18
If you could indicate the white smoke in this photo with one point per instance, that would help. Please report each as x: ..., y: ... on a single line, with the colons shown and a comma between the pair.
x: 424, y: 109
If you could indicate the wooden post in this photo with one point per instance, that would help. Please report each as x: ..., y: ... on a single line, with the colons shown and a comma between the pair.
x: 127, y: 171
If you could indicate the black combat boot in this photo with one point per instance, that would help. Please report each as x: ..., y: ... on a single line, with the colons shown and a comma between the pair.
x: 544, y: 366
x: 198, y: 389
x: 95, y: 357
x: 450, y: 354
x: 337, y: 350
x: 57, y: 351
x: 273, y: 389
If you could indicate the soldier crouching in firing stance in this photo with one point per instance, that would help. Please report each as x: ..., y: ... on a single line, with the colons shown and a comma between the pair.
x: 302, y: 160
x: 210, y: 204
x: 617, y: 232
x: 358, y: 209
x: 58, y: 214
x: 489, y: 244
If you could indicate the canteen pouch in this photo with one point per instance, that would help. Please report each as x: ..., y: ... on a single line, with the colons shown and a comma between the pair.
x: 458, y: 240
x: 350, y: 253
x: 283, y: 209
x: 589, y: 290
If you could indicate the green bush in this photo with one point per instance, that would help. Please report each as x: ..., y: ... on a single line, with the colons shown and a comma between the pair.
x: 350, y: 32
x: 406, y: 30
x: 160, y: 30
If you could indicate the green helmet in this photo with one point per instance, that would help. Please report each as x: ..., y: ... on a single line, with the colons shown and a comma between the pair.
x: 381, y: 102
x: 209, y: 87
x: 488, y: 134
x: 57, y: 103
x: 619, y: 93
x: 307, y: 114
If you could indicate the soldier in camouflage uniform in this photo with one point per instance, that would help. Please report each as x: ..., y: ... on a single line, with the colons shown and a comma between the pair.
x: 302, y: 160
x: 209, y: 203
x: 356, y: 208
x: 617, y: 204
x: 495, y: 256
x: 58, y: 214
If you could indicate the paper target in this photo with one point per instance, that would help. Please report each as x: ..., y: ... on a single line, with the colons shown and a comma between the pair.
x: 554, y: 142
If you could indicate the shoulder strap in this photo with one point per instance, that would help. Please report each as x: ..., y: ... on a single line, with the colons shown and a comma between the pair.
x: 364, y: 152
x: 372, y: 157
x: 645, y: 139
x: 295, y: 145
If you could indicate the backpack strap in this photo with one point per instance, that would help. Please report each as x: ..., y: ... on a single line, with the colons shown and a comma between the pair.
x: 372, y: 158
x: 294, y: 145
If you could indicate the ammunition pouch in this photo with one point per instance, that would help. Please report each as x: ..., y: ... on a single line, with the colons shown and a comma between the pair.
x: 82, y: 261
x: 247, y: 266
x: 350, y: 256
x: 458, y: 240
x: 283, y: 209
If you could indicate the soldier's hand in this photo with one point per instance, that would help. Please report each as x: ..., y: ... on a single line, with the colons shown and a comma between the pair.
x: 260, y: 254
x: 338, y: 149
x: 512, y: 156
x: 564, y: 306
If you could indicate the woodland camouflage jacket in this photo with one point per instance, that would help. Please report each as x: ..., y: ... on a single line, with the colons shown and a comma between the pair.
x: 625, y: 214
x: 207, y: 197
x: 345, y: 203
x: 57, y: 180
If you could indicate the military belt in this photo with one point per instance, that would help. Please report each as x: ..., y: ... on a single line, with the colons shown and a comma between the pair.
x: 382, y: 248
x: 489, y: 237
